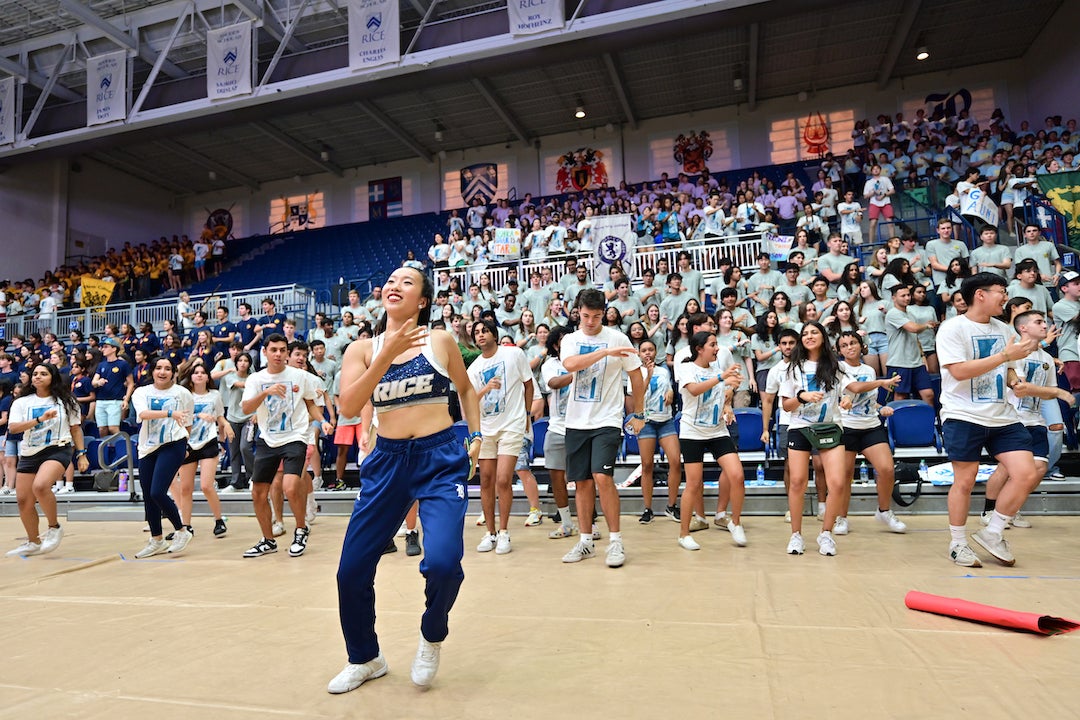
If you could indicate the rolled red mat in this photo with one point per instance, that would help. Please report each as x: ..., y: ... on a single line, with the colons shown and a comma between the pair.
x: 977, y: 612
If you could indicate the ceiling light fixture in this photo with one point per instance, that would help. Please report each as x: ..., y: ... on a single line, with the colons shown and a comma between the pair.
x: 922, y: 53
x: 212, y: 175
x: 579, y: 112
x: 737, y: 84
x: 440, y: 131
x: 325, y: 155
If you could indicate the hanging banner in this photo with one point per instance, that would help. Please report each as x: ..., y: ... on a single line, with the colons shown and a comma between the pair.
x: 976, y: 203
x: 614, y: 239
x: 7, y: 111
x: 528, y: 17
x: 106, y: 88
x: 228, y: 61
x: 374, y: 33
x: 507, y: 242
x: 96, y: 293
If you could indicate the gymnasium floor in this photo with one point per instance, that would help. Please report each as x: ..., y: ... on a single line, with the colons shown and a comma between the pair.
x: 748, y: 633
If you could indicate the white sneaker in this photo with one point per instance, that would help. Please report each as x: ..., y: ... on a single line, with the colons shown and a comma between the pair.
x: 595, y: 532
x: 27, y: 548
x: 278, y: 528
x: 502, y: 543
x: 840, y: 527
x: 996, y: 545
x: 737, y: 534
x: 1019, y: 521
x: 228, y: 490
x: 688, y: 543
x: 181, y: 538
x: 964, y: 556
x: 5, y: 490
x: 153, y: 547
x: 480, y: 521
x: 579, y: 552
x: 563, y: 531
x: 487, y: 544
x: 616, y: 556
x: 312, y: 509
x: 825, y: 543
x: 66, y: 490
x: 51, y: 539
x: 402, y: 531
x: 888, y: 518
x: 787, y: 517
x: 821, y: 511
x: 353, y: 676
x: 426, y: 663
x: 795, y: 545
x: 535, y: 518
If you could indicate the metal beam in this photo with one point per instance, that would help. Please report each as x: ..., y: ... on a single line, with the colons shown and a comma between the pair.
x: 158, y: 63
x: 199, y: 159
x: 896, y: 42
x: 620, y: 90
x: 391, y: 127
x: 282, y: 45
x: 46, y: 91
x: 752, y: 65
x: 121, y: 162
x: 496, y: 104
x: 269, y: 23
x: 289, y: 142
x: 420, y: 27
x: 418, y: 7
x: 119, y: 36
x: 38, y: 80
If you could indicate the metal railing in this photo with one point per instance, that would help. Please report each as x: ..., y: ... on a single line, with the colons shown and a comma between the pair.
x: 120, y: 440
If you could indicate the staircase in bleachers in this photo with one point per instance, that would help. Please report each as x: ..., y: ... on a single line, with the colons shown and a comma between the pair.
x: 317, y: 258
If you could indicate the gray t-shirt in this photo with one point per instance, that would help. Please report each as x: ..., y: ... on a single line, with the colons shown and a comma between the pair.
x: 903, y: 345
x: 944, y: 251
x: 537, y: 301
x: 764, y: 284
x: 1043, y: 253
x: 990, y: 254
x: 835, y: 263
x: 1064, y: 312
x: 631, y: 303
x: 797, y: 293
x: 1038, y: 295
x: 673, y: 306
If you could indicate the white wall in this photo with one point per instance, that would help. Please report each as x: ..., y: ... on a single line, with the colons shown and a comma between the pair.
x: 34, y: 202
x: 119, y: 207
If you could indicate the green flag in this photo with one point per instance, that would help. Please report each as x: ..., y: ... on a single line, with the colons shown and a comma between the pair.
x: 1063, y: 191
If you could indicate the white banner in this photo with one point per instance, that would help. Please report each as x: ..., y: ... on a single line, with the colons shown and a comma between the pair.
x: 374, y: 33
x: 614, y: 239
x: 7, y: 111
x: 533, y: 16
x: 228, y: 61
x: 507, y: 242
x: 779, y: 247
x: 979, y: 204
x: 106, y: 88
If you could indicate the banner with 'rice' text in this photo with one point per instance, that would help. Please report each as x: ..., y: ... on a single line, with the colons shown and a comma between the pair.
x: 528, y: 17
x: 374, y: 33
x: 106, y: 88
x: 7, y: 111
x: 228, y: 61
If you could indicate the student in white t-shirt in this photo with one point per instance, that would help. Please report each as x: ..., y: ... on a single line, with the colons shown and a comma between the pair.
x: 659, y: 429
x: 283, y: 400
x: 49, y: 420
x: 597, y: 356
x: 878, y: 190
x: 204, y: 450
x: 165, y: 411
x: 504, y: 384
x: 787, y: 341
x: 554, y: 376
x: 850, y: 219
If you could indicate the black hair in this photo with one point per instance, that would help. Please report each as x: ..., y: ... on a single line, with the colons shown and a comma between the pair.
x: 554, y: 338
x: 851, y: 334
x: 590, y: 299
x: 484, y: 323
x: 788, y: 332
x: 185, y: 379
x: 728, y: 292
x: 697, y: 341
x: 275, y: 337
x: 965, y: 270
x: 764, y: 331
x: 827, y: 366
x: 1021, y: 319
x: 57, y: 388
x: 427, y: 292
x: 979, y: 281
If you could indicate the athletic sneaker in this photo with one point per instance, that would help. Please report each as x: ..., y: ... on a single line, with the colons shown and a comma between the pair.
x: 228, y: 490
x: 698, y: 523
x: 5, y: 490
x: 263, y: 547
x: 688, y: 543
x: 646, y: 516
x: 787, y: 517
x: 353, y: 676
x: 66, y: 490
x: 563, y: 531
x: 825, y: 543
x: 219, y: 528
x: 426, y: 663
x: 502, y: 543
x: 487, y: 544
x: 672, y: 512
x: 795, y: 545
x: 595, y: 531
x: 821, y: 511
x: 51, y: 539
x: 1019, y: 521
x: 153, y: 547
x: 579, y: 552
x: 278, y: 528
x: 840, y: 527
x: 737, y: 534
x: 888, y: 518
x: 180, y: 541
x: 1056, y: 474
x: 996, y: 545
x: 481, y: 520
x: 720, y: 521
x: 535, y: 518
x: 312, y: 509
x: 27, y: 548
x: 412, y: 543
x: 963, y: 556
x: 391, y: 547
x: 299, y: 543
x: 615, y: 554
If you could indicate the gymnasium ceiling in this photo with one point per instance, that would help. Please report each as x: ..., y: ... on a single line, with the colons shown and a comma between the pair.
x: 673, y: 63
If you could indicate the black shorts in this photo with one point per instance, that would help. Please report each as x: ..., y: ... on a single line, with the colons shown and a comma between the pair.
x: 591, y: 451
x: 290, y: 455
x: 858, y: 440
x: 797, y: 441
x: 693, y: 451
x: 209, y: 451
x: 32, y: 463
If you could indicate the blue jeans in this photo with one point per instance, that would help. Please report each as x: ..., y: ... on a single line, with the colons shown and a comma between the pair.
x: 156, y: 473
x: 432, y: 470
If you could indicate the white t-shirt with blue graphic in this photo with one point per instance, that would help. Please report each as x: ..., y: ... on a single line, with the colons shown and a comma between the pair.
x: 982, y: 399
x: 502, y: 408
x: 202, y: 431
x: 51, y: 433
x: 596, y: 394
x: 702, y: 415
x: 656, y: 408
x: 798, y: 379
x: 864, y: 412
x: 159, y: 431
x: 1037, y: 369
x: 557, y: 397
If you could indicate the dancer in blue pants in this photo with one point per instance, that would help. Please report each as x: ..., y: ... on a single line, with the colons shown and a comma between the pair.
x: 405, y: 372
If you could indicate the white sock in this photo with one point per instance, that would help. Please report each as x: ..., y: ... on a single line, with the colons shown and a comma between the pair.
x: 615, y: 536
x: 959, y: 537
x: 721, y: 515
x: 586, y: 538
x: 504, y: 532
x: 564, y: 516
x: 997, y: 522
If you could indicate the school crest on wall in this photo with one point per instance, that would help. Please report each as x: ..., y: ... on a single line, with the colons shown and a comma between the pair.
x: 692, y: 151
x: 479, y: 181
x: 581, y: 169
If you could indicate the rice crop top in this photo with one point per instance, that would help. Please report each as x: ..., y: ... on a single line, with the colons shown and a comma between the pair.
x: 419, y: 381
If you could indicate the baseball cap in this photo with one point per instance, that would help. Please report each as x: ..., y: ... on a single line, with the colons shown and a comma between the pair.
x: 1067, y: 277
x: 114, y: 341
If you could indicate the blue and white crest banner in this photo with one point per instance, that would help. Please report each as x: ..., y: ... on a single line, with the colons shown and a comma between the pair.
x: 528, y: 17
x: 106, y: 88
x: 374, y: 33
x: 7, y: 111
x: 228, y: 61
x: 614, y: 240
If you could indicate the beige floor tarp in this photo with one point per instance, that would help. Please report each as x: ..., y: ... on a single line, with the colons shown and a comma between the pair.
x: 724, y: 632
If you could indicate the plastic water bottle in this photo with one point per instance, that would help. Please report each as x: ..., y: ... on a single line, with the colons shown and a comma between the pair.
x: 864, y: 474
x: 760, y: 475
x: 123, y: 482
x: 923, y: 472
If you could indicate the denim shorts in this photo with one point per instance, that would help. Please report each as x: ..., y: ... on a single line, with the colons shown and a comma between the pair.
x: 658, y: 429
x: 877, y: 343
x: 524, y: 458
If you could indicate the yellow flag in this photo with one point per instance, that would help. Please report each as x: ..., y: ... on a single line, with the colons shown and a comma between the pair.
x: 96, y: 293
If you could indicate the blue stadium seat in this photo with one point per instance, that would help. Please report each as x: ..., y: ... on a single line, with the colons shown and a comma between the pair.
x: 540, y: 428
x: 750, y: 427
x: 913, y: 424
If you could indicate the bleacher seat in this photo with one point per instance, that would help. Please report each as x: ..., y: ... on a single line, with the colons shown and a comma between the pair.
x: 913, y: 425
x: 750, y: 427
x: 540, y: 428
